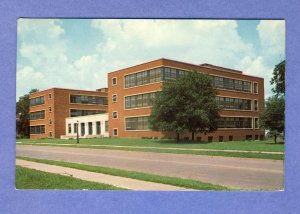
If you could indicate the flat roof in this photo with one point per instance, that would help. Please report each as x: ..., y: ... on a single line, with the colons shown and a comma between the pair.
x: 55, y: 88
x: 204, y: 65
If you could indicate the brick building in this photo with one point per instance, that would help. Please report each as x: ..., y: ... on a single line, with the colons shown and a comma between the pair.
x: 131, y: 91
x: 50, y: 108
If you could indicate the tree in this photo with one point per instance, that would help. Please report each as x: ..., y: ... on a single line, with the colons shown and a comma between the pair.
x: 22, y: 110
x: 278, y: 79
x: 186, y: 104
x: 273, y: 115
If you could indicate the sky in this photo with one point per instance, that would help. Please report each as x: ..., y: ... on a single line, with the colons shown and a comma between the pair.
x: 78, y: 53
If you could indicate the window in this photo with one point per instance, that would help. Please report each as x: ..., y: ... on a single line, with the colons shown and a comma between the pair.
x: 50, y: 96
x: 50, y: 134
x: 37, y: 101
x: 106, y: 126
x: 69, y: 129
x: 115, y: 115
x: 256, y: 124
x: 255, y: 105
x: 127, y: 102
x: 255, y: 87
x: 137, y: 123
x: 248, y: 137
x: 115, y: 132
x: 37, y: 129
x: 50, y: 109
x: 209, y: 138
x: 230, y: 138
x: 140, y: 101
x: 37, y: 115
x: 246, y: 86
x: 84, y: 99
x: 98, y: 127
x: 114, y: 98
x: 90, y: 126
x: 261, y: 137
x: 82, y: 125
x: 75, y: 128
x: 79, y: 112
x: 114, y: 81
x: 256, y: 137
x: 220, y: 138
x: 50, y: 122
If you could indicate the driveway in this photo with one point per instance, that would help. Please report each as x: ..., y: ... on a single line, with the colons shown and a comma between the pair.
x: 240, y: 173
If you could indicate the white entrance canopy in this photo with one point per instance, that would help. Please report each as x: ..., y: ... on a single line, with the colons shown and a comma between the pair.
x: 89, y: 126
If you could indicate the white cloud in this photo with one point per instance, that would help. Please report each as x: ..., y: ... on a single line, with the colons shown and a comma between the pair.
x: 133, y: 41
x: 256, y: 66
x: 46, y: 54
x: 272, y: 38
x: 124, y: 43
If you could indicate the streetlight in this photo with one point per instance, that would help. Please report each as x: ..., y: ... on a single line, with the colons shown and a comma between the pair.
x: 77, y: 131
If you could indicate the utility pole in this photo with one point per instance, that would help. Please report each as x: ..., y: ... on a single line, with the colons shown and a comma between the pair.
x: 77, y: 132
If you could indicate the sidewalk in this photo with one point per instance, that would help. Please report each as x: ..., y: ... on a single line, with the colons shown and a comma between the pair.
x: 160, y: 148
x: 127, y: 183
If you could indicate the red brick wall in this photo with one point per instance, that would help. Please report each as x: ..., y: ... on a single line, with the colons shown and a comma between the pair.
x: 119, y: 89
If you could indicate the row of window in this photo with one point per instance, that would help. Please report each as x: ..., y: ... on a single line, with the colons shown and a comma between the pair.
x: 37, y: 129
x: 80, y: 112
x: 137, y: 123
x: 231, y: 84
x: 142, y: 123
x: 37, y: 115
x: 165, y: 74
x: 233, y: 103
x: 37, y: 101
x: 151, y: 76
x: 146, y: 100
x: 83, y: 99
x: 230, y: 138
x: 236, y: 122
x: 142, y: 78
x: 138, y: 101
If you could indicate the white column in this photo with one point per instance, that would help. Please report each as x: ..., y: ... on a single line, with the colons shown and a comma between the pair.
x: 94, y: 128
x: 79, y: 129
x: 86, y: 128
x: 103, y: 128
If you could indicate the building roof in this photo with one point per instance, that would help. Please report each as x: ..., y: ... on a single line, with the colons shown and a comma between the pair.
x: 54, y: 88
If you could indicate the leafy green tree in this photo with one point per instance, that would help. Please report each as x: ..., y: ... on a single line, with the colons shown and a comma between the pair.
x: 272, y: 117
x: 278, y: 79
x: 186, y: 104
x: 22, y: 110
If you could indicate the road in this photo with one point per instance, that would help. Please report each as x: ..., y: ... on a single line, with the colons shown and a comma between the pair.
x: 240, y: 173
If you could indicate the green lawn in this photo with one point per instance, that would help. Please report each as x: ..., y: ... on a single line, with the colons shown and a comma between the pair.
x: 34, y: 179
x: 187, y: 183
x: 161, y: 146
x: 234, y: 145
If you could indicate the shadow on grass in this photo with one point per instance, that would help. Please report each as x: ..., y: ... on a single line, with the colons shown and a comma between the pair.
x: 180, y: 142
x: 273, y: 143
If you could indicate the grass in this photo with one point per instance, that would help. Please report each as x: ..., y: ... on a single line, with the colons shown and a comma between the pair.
x: 34, y: 179
x: 267, y: 145
x: 161, y: 146
x: 181, y: 182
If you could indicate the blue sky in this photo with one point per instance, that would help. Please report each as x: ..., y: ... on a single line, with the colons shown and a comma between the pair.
x: 78, y: 53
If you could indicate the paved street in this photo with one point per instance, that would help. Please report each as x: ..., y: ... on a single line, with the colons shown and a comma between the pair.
x: 241, y: 173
